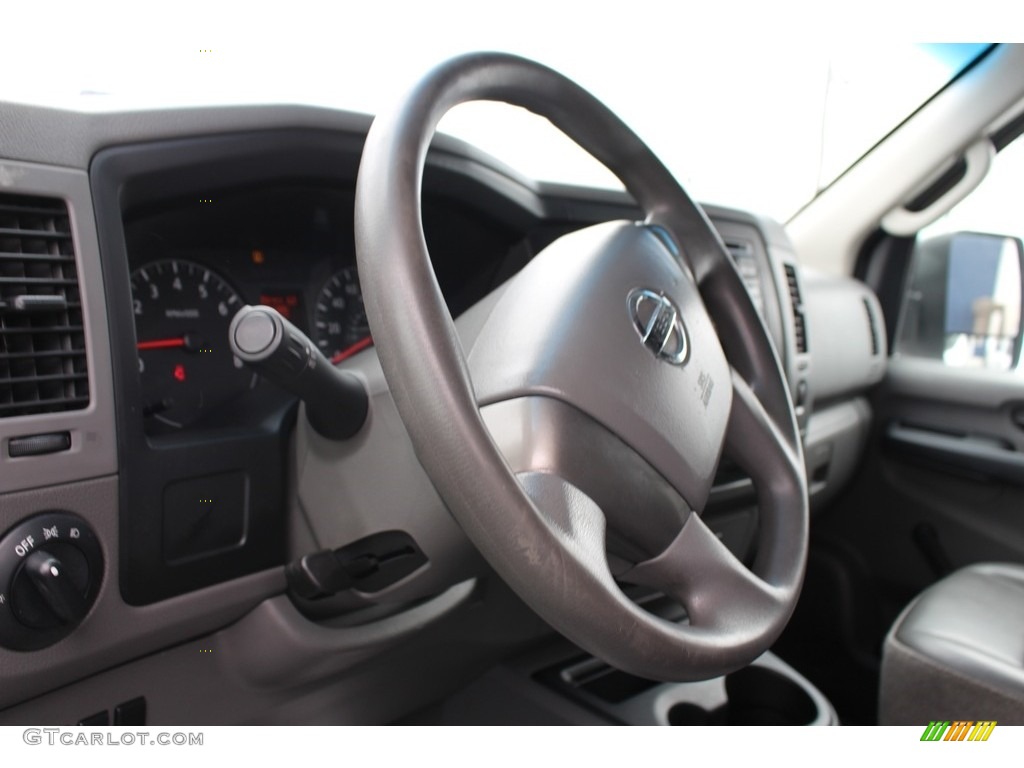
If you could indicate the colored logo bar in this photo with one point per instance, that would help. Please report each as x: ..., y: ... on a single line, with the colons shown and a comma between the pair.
x: 958, y: 730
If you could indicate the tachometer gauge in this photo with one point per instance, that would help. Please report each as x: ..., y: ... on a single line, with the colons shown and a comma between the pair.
x: 339, y: 319
x: 182, y: 313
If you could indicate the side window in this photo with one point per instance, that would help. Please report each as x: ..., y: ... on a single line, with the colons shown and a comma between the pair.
x: 962, y: 302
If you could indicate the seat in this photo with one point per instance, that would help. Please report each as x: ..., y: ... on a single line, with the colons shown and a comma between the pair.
x: 957, y: 651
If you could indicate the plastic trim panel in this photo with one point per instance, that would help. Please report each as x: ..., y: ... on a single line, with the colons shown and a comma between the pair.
x: 113, y: 633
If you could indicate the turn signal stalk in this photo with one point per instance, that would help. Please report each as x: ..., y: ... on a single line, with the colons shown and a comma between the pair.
x: 336, y: 400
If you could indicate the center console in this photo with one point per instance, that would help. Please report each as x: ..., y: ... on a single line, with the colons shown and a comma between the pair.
x: 560, y: 685
x: 768, y: 692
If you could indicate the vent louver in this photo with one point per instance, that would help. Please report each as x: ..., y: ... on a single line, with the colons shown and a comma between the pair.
x: 737, y: 249
x: 42, y: 343
x: 797, y: 303
x: 872, y: 327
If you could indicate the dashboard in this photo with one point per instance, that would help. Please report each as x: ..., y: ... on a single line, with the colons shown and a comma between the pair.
x: 197, y: 480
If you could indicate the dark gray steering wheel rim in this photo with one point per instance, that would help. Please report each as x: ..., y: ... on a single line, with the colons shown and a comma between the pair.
x: 557, y: 569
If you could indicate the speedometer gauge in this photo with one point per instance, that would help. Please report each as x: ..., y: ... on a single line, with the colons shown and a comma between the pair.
x: 339, y: 318
x: 182, y: 312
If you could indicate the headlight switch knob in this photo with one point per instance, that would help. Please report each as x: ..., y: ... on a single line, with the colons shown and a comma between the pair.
x: 51, y: 566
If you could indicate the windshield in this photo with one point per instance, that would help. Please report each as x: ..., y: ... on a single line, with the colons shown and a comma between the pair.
x: 762, y: 125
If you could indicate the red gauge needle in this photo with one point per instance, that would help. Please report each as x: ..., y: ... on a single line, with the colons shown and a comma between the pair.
x: 162, y: 343
x: 346, y: 353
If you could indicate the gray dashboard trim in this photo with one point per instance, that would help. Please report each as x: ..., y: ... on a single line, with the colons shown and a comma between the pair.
x: 93, y: 451
x: 198, y: 682
x: 274, y: 646
x: 916, y: 377
x: 836, y: 437
x: 839, y: 336
x: 70, y: 138
x: 113, y: 632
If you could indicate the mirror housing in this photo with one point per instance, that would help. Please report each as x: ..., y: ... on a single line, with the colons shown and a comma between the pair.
x: 962, y: 302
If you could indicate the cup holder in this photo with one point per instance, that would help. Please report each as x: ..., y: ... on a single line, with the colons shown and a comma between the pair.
x: 768, y: 692
x: 755, y: 696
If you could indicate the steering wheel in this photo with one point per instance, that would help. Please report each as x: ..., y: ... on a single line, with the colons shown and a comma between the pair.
x: 577, y: 441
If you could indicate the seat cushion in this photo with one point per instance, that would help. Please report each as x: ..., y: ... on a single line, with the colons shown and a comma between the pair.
x: 957, y: 651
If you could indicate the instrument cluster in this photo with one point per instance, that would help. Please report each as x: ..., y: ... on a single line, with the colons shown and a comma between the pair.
x: 194, y: 263
x: 183, y: 307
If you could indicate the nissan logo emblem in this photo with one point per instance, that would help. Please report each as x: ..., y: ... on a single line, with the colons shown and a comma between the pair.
x: 661, y: 328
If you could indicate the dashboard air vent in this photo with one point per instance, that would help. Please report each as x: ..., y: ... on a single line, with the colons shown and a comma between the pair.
x: 872, y: 327
x: 42, y: 343
x: 797, y: 302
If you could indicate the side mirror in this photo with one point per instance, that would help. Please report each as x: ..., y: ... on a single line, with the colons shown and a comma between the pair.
x: 962, y: 303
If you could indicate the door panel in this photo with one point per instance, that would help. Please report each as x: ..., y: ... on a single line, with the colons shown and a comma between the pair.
x: 939, y: 487
x: 942, y: 484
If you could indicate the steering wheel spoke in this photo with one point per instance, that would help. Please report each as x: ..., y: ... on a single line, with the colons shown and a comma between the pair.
x: 758, y: 446
x: 539, y: 434
x: 719, y: 593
